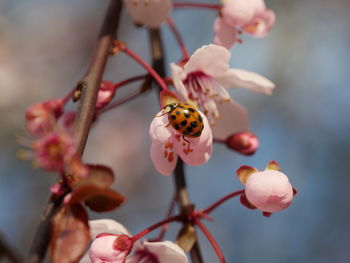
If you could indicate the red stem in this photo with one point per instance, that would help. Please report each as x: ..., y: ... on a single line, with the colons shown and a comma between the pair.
x: 221, y: 201
x: 211, y: 240
x: 155, y: 226
x: 121, y: 101
x: 219, y: 140
x: 129, y: 80
x: 147, y: 67
x: 178, y: 37
x: 198, y: 5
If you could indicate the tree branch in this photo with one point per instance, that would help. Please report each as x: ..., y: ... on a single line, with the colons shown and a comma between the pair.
x: 88, y: 87
x: 180, y: 183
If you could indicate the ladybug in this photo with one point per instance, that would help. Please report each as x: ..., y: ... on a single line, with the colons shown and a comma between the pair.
x: 185, y: 119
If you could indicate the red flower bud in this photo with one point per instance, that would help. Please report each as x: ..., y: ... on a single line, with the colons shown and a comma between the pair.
x: 105, y: 94
x: 245, y: 142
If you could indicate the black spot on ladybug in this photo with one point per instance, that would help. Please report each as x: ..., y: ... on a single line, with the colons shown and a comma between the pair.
x: 176, y: 126
x: 189, y: 129
x: 191, y: 110
x: 178, y: 112
x: 173, y: 117
x: 184, y: 123
x: 194, y: 124
x: 200, y: 118
x: 187, y: 115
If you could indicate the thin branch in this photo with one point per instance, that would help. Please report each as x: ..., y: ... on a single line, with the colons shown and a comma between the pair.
x: 178, y: 37
x: 89, y: 86
x: 221, y: 201
x: 198, y: 5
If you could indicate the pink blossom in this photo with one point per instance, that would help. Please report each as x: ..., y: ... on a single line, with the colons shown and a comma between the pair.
x: 151, y: 13
x: 269, y: 190
x: 53, y: 151
x: 41, y: 117
x: 205, y: 78
x: 250, y: 16
x: 168, y: 144
x: 157, y: 252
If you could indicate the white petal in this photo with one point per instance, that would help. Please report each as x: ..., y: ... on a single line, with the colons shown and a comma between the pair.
x: 234, y: 119
x: 212, y: 60
x: 158, y: 130
x: 178, y: 75
x: 106, y: 226
x: 235, y: 78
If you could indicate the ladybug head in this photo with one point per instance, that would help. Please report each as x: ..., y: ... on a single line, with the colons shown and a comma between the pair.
x: 170, y: 107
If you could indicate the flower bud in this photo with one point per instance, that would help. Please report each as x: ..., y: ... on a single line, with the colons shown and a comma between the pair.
x: 110, y: 248
x: 245, y: 142
x: 269, y: 190
x: 105, y: 94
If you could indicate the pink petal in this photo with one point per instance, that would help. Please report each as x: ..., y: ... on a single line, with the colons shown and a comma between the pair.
x: 261, y: 25
x: 178, y: 75
x: 163, y: 164
x: 234, y: 119
x: 235, y: 78
x: 151, y: 13
x: 158, y: 130
x: 225, y: 35
x: 211, y: 59
x: 106, y: 226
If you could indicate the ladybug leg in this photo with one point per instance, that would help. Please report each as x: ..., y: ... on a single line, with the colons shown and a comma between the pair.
x: 166, y: 126
x: 189, y: 144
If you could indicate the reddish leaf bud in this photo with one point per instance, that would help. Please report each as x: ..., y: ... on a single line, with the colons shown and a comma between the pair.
x: 245, y: 142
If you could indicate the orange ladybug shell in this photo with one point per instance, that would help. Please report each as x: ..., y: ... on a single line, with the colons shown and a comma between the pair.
x: 185, y: 119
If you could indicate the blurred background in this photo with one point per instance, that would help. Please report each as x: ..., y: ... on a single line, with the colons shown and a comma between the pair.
x: 45, y: 47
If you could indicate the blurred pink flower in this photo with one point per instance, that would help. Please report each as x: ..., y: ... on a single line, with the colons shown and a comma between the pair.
x: 51, y: 152
x: 244, y: 142
x: 251, y: 16
x: 105, y: 232
x: 41, y: 117
x: 151, y: 13
x: 205, y: 78
x: 269, y: 190
x: 167, y: 144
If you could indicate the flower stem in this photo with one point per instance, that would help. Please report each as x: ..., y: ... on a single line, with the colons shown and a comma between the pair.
x: 211, y: 240
x: 121, y: 101
x: 145, y: 65
x: 221, y: 201
x: 155, y: 226
x: 179, y: 38
x: 129, y: 80
x: 89, y: 89
x: 198, y: 5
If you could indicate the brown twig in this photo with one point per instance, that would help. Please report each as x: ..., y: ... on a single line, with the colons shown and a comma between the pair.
x: 180, y: 183
x: 89, y: 87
